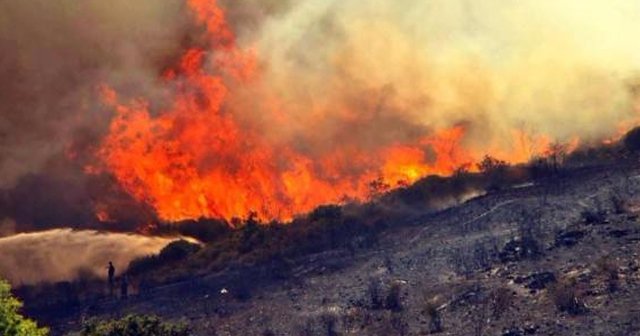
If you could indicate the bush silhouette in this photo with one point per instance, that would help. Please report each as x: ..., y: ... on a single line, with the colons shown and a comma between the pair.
x: 567, y: 298
x: 495, y: 171
x: 632, y: 140
x: 178, y: 250
x: 393, y: 300
x: 175, y: 251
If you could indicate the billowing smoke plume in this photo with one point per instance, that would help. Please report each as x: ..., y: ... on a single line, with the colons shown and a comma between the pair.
x: 370, y: 73
x: 63, y: 254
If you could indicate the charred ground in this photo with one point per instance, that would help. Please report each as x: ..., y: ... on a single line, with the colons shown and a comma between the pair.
x: 550, y: 249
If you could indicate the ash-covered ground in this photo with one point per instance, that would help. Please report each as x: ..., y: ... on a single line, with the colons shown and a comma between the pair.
x: 558, y: 257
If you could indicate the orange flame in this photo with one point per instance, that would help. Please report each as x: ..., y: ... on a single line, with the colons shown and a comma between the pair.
x: 195, y: 159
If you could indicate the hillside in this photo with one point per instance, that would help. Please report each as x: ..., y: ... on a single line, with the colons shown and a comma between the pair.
x: 554, y: 258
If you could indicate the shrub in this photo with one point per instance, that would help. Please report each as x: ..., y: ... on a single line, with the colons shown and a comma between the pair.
x: 495, y: 171
x: 540, y: 168
x: 374, y: 292
x: 632, y: 140
x: 11, y: 322
x: 399, y: 323
x: 378, y: 187
x: 432, y: 312
x: 566, y: 297
x: 325, y: 324
x: 478, y: 316
x: 326, y: 212
x: 520, y: 248
x: 268, y: 332
x: 143, y: 264
x: 393, y: 301
x: 609, y: 271
x: 139, y: 325
x: 178, y: 250
x: 329, y: 324
x: 205, y: 230
x: 619, y: 204
x: 174, y: 251
x: 501, y: 300
x: 591, y: 217
x: 556, y: 155
x: 252, y: 234
x: 490, y: 164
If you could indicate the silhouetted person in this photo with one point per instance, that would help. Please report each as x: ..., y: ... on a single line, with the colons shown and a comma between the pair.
x: 124, y: 287
x: 111, y: 275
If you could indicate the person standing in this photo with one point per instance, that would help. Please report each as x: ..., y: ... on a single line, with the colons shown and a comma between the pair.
x: 111, y: 272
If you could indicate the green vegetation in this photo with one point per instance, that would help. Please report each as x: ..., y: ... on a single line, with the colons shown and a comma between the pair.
x: 138, y: 325
x: 11, y: 322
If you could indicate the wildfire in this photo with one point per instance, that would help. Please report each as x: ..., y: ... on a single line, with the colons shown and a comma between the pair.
x: 197, y: 158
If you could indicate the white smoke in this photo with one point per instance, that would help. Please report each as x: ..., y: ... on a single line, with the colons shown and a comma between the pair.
x: 561, y: 68
x: 61, y: 254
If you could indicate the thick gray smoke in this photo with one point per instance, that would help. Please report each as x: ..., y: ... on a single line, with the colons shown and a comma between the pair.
x: 55, y: 54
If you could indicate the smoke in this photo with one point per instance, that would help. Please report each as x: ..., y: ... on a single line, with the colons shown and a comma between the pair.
x: 380, y: 72
x: 55, y: 54
x: 63, y: 254
x: 63, y: 196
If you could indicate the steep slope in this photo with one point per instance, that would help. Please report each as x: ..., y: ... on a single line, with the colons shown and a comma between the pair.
x: 555, y: 258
